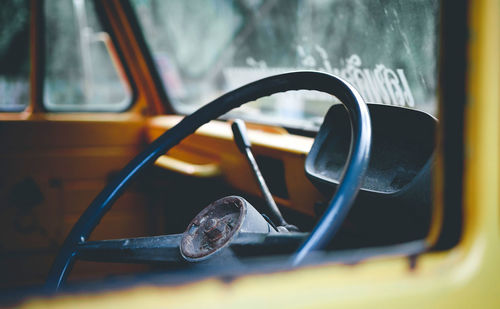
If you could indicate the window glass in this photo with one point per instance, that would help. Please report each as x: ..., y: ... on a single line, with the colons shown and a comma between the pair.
x: 386, y: 49
x: 14, y: 55
x: 81, y: 67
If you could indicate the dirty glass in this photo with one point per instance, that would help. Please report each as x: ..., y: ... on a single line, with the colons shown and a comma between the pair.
x: 81, y: 66
x: 14, y: 55
x: 386, y: 49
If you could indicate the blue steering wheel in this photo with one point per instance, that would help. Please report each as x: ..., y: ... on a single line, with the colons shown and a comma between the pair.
x: 330, y: 222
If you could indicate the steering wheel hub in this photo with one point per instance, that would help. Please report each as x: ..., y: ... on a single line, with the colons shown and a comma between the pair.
x: 217, y: 225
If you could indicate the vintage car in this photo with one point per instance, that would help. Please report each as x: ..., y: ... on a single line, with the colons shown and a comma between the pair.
x: 241, y: 154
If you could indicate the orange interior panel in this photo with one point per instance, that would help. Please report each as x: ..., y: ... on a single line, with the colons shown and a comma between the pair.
x: 66, y: 162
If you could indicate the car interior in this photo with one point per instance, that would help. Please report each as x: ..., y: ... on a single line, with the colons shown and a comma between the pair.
x: 166, y: 143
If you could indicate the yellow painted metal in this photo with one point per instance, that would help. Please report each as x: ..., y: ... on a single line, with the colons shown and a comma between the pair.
x: 148, y: 100
x: 259, y: 135
x: 186, y: 168
x: 464, y: 277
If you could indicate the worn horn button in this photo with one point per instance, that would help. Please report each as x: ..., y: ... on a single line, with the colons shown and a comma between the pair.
x: 213, y: 228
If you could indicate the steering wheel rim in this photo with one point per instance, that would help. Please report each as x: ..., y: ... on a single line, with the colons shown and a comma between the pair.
x: 350, y: 182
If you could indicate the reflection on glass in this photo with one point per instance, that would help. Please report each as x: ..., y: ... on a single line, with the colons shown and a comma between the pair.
x: 386, y: 49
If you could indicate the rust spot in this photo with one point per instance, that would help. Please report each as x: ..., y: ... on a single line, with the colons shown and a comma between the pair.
x: 412, y: 259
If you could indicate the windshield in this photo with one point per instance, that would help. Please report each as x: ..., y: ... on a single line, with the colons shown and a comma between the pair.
x: 386, y: 49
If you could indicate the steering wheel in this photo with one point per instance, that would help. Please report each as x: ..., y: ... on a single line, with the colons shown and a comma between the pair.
x: 75, y: 246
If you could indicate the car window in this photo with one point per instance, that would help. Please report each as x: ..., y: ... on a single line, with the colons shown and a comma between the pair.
x: 81, y: 66
x: 14, y: 55
x: 386, y: 49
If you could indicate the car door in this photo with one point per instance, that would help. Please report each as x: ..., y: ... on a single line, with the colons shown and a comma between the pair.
x: 73, y: 111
